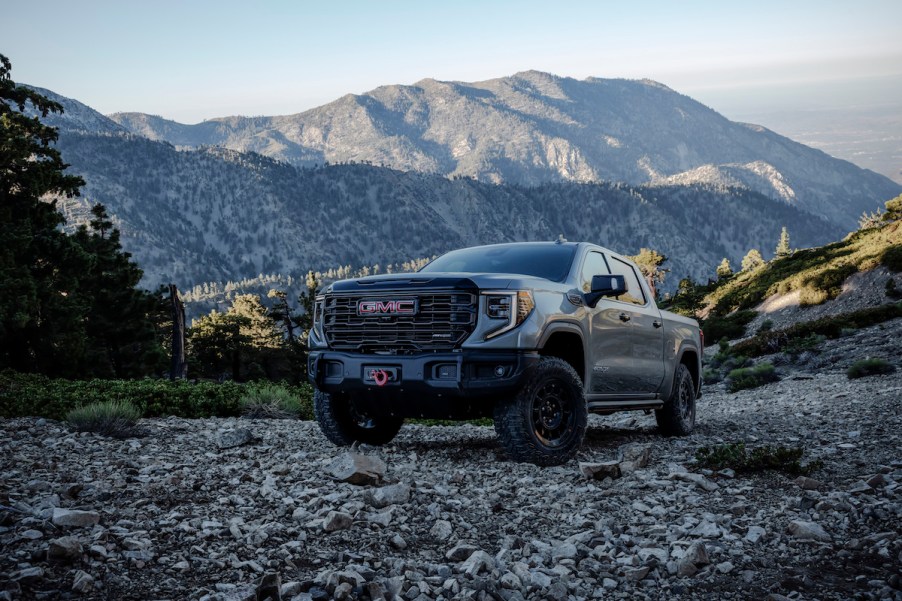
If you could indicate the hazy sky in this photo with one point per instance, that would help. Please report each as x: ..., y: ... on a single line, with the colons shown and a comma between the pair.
x: 193, y: 60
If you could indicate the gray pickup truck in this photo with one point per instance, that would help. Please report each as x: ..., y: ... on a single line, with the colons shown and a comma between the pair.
x: 535, y: 335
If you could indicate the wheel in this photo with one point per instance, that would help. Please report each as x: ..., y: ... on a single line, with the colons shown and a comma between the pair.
x: 677, y: 416
x: 344, y: 424
x: 546, y: 421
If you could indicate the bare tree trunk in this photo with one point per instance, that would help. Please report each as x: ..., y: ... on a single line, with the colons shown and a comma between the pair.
x: 179, y: 368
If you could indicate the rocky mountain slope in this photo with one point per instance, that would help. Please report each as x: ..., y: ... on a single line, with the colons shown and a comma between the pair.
x: 181, y: 513
x: 214, y: 214
x: 535, y: 127
x: 207, y: 215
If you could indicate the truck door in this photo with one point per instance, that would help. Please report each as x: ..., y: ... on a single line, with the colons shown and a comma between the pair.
x: 609, y: 336
x: 646, y: 369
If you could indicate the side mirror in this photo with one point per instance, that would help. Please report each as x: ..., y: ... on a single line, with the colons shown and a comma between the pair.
x: 605, y: 285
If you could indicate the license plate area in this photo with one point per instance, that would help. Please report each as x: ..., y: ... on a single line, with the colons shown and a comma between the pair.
x: 379, y: 375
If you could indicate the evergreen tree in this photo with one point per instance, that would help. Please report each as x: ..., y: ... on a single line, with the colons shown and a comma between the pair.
x: 893, y: 209
x: 68, y: 304
x: 649, y: 262
x: 123, y: 340
x: 215, y: 343
x: 752, y: 260
x: 724, y: 270
x: 783, y: 247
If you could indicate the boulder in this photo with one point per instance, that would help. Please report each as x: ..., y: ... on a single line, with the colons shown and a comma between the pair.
x: 358, y: 469
x: 66, y: 548
x: 74, y: 517
x: 808, y: 531
x: 600, y: 471
x: 337, y: 520
x: 387, y: 495
x: 228, y: 439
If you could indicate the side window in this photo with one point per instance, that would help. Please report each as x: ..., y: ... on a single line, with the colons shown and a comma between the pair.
x: 593, y: 265
x: 634, y: 292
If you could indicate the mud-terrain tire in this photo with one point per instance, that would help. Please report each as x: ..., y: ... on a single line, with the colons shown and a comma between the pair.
x: 545, y: 422
x: 677, y: 416
x: 344, y: 425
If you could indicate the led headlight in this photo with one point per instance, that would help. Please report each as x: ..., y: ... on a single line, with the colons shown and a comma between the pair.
x: 509, y: 307
x: 318, y: 312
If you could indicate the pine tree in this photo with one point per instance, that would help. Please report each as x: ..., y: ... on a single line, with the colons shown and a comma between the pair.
x: 783, y: 247
x: 752, y: 260
x: 69, y: 305
x: 649, y: 262
x: 724, y: 270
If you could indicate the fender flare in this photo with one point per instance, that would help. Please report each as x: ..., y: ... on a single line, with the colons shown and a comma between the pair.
x: 560, y: 326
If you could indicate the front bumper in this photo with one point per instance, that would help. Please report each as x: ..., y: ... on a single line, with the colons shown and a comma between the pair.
x: 438, y: 385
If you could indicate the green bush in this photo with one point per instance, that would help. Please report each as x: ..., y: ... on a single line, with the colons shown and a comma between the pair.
x: 751, y: 377
x: 766, y: 326
x: 736, y: 457
x: 118, y: 419
x: 711, y: 376
x: 892, y: 258
x: 810, y: 344
x: 831, y: 327
x: 267, y: 400
x: 730, y: 326
x: 35, y: 395
x: 869, y: 367
x: 891, y: 290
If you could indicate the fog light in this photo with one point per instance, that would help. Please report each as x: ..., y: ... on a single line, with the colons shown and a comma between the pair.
x: 499, y: 370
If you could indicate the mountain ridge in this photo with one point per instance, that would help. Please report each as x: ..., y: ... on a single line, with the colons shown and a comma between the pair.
x: 535, y: 127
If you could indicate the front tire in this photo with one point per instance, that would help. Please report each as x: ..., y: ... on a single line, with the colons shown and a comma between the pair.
x: 677, y: 416
x: 343, y: 424
x: 546, y: 421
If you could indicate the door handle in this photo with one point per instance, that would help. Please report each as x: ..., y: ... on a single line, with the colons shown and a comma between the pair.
x: 657, y: 324
x: 624, y: 317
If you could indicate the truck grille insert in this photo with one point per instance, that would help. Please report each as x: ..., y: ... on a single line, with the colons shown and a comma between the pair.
x: 442, y: 321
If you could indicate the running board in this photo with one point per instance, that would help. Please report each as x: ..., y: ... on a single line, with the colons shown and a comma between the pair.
x: 624, y: 405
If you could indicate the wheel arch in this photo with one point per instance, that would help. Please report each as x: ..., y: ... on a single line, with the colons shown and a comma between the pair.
x: 565, y: 341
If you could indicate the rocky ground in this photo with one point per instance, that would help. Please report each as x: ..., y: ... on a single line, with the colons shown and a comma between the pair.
x: 180, y: 513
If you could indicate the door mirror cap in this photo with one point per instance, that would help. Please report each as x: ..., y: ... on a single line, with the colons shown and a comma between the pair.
x: 605, y: 285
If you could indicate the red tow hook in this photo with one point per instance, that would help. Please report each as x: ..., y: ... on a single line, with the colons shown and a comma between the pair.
x: 380, y: 376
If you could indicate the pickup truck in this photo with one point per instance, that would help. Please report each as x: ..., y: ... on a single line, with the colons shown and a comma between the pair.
x: 534, y: 335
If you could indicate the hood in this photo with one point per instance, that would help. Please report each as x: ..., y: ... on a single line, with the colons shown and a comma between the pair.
x: 416, y: 281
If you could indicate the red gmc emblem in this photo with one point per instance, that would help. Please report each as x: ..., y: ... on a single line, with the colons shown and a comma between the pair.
x: 405, y: 306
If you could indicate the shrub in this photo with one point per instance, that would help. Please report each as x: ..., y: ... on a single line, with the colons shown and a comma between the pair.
x: 891, y: 290
x: 730, y: 326
x: 766, y: 326
x: 711, y: 376
x: 118, y: 419
x: 751, y: 377
x: 831, y: 327
x: 869, y: 367
x: 736, y: 457
x: 23, y: 395
x: 810, y: 344
x: 267, y: 400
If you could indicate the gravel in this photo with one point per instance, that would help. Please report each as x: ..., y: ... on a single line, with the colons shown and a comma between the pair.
x: 441, y: 514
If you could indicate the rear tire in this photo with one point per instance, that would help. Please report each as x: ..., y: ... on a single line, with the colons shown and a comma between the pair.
x: 546, y: 421
x: 344, y: 424
x: 677, y: 416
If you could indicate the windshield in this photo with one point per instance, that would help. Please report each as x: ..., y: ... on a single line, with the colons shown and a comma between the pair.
x: 548, y: 261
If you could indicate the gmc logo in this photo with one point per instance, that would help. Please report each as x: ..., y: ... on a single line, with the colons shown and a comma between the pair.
x: 407, y: 306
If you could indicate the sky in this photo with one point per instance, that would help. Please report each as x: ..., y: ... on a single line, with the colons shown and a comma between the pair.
x: 192, y: 60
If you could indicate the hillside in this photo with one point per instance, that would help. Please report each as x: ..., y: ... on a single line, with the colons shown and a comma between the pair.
x: 535, y: 127
x: 216, y: 215
x: 812, y: 275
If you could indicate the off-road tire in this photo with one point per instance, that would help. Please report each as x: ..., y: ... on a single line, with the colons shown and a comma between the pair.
x: 344, y: 426
x: 677, y: 416
x: 545, y: 422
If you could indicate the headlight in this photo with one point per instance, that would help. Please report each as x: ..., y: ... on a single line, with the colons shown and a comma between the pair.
x: 318, y: 309
x: 509, y: 308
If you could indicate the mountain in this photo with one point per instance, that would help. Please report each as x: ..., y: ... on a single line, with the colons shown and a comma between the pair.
x: 534, y: 128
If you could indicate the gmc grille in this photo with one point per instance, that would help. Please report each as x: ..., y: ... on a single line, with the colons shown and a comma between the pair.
x: 442, y: 322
